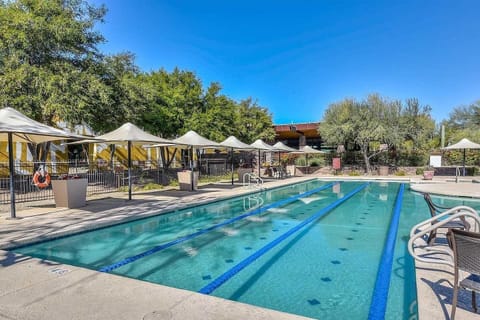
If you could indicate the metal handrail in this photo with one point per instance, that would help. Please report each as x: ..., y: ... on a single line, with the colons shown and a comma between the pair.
x: 416, y: 233
x: 457, y: 173
x: 249, y: 177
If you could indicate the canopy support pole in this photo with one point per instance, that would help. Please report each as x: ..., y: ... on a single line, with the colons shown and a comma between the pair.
x: 129, y: 147
x: 191, y: 169
x: 259, y: 162
x: 12, y: 178
x: 232, y: 166
x: 464, y: 162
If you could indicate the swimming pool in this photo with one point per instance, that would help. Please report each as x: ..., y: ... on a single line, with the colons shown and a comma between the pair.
x: 326, y: 267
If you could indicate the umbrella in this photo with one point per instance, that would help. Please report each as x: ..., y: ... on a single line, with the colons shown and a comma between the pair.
x: 194, y: 140
x: 129, y: 134
x: 16, y: 127
x: 307, y: 150
x: 260, y: 145
x: 233, y: 143
x: 463, y: 144
x: 281, y: 147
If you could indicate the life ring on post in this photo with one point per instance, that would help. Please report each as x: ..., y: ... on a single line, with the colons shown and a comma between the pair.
x: 41, y: 181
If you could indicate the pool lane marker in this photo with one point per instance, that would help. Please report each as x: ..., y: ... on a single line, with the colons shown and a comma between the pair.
x: 378, y: 306
x: 212, y: 286
x: 203, y: 231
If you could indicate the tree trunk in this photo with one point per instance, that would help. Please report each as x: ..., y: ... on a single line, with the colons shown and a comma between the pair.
x: 39, y: 153
x: 366, y: 159
x: 165, y: 156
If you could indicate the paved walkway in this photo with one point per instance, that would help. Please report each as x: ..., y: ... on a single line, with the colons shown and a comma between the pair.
x: 38, y: 289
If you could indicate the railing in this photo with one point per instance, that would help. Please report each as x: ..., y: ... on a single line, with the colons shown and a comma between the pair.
x: 101, y: 178
x: 249, y: 178
x: 457, y: 174
x: 421, y: 229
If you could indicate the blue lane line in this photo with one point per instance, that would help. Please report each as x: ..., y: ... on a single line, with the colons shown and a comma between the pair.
x: 203, y: 231
x: 378, y: 305
x: 209, y: 288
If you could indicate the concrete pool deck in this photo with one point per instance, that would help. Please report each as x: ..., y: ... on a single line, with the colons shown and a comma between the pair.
x: 37, y: 289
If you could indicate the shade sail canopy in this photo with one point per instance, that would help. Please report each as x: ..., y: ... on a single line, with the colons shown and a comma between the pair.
x: 463, y: 144
x: 234, y: 143
x: 130, y: 132
x: 16, y: 127
x: 260, y: 145
x: 280, y: 146
x: 308, y: 150
x: 24, y: 129
x: 191, y: 138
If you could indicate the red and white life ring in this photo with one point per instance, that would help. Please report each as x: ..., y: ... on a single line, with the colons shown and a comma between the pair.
x: 41, y: 181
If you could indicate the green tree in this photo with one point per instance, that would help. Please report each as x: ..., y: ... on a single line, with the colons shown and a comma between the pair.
x: 175, y: 97
x: 253, y: 122
x: 418, y: 129
x: 366, y: 123
x: 49, y: 59
x: 127, y: 95
x: 463, y: 122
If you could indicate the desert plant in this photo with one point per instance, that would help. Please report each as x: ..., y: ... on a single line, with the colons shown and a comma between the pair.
x: 354, y: 173
x: 400, y: 173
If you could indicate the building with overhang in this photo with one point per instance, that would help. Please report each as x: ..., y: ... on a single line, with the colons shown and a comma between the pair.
x: 297, y: 135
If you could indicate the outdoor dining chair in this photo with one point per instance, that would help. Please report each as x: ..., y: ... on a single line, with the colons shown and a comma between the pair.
x: 466, y: 255
x: 435, y: 209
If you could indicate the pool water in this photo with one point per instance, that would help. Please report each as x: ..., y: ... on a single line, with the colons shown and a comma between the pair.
x: 327, y: 269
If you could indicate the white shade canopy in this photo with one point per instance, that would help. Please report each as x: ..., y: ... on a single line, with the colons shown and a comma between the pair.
x: 280, y: 146
x: 16, y: 127
x: 463, y: 144
x: 260, y: 145
x: 234, y: 143
x: 192, y: 138
x: 24, y: 129
x: 130, y: 132
x: 308, y: 149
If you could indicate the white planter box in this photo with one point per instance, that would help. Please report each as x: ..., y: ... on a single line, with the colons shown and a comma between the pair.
x: 185, y: 180
x: 70, y: 193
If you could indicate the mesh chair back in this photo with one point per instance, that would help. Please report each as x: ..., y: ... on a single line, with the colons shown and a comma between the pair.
x: 430, y: 204
x: 466, y: 248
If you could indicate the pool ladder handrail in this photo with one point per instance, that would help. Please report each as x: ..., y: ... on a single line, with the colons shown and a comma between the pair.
x: 416, y: 233
x: 248, y: 178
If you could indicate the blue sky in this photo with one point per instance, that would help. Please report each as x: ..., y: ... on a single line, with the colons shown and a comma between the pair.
x: 297, y: 57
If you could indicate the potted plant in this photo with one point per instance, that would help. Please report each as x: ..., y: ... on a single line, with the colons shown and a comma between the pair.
x: 428, y: 173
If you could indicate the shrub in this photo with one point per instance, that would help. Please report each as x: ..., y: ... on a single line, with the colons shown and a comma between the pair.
x: 300, y: 161
x: 400, y: 173
x: 419, y: 171
x: 354, y: 173
x: 152, y: 186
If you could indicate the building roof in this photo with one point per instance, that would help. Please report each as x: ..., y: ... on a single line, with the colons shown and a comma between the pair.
x: 293, y: 130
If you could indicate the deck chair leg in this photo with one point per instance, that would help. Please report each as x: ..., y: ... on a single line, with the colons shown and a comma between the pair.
x: 474, y: 301
x: 454, y: 301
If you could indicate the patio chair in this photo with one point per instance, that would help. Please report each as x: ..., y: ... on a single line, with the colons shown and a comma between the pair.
x: 435, y: 209
x: 466, y: 255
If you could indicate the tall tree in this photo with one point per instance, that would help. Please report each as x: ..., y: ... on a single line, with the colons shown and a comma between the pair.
x: 49, y: 58
x: 373, y: 120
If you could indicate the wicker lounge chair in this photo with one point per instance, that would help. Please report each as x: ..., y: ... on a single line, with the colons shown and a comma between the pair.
x: 466, y: 254
x: 461, y: 223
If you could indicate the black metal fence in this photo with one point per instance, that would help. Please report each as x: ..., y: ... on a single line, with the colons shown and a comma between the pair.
x: 102, y: 176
